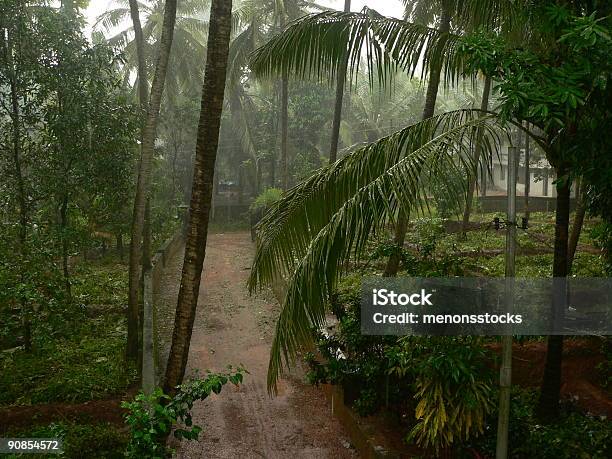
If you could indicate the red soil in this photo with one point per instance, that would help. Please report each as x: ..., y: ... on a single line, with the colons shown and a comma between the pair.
x: 580, y: 378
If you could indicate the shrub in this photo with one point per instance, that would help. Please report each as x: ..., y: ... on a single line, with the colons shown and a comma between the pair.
x: 574, y: 435
x: 103, y: 440
x: 453, y: 388
x: 151, y: 418
x: 266, y: 199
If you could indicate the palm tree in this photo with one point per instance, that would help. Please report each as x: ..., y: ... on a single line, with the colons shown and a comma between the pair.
x: 191, y: 26
x: 430, y: 105
x: 251, y: 23
x: 319, y: 46
x: 391, y: 43
x: 333, y: 151
x: 144, y: 175
x: 320, y: 224
x: 307, y: 241
x: 484, y: 106
x: 206, y: 152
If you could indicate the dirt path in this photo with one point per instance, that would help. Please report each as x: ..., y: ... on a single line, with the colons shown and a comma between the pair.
x: 233, y: 328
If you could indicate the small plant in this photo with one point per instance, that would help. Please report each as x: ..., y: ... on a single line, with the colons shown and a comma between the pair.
x: 453, y: 390
x: 151, y: 418
x: 266, y: 199
x: 367, y: 402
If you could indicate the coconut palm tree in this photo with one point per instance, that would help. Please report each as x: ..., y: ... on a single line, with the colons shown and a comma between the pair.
x: 320, y: 45
x: 185, y: 66
x: 252, y: 19
x: 320, y: 224
x: 206, y: 152
x: 307, y: 243
x: 333, y: 151
x: 144, y: 174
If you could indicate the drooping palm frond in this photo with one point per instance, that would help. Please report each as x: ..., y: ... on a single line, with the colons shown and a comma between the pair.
x: 317, y: 45
x: 325, y: 221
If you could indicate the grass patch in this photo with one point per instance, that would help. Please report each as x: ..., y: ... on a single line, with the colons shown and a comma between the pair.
x: 102, y: 441
x: 79, y: 344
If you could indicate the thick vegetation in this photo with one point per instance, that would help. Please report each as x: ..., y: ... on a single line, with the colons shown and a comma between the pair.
x: 354, y: 141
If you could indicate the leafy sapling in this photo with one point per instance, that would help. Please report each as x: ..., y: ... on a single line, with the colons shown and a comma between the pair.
x: 151, y: 418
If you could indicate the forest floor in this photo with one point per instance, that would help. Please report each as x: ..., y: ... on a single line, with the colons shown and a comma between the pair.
x: 234, y: 328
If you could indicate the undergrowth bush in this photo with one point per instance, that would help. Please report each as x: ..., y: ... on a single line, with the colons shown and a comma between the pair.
x: 266, y: 198
x: 101, y: 440
x: 444, y: 383
x: 573, y: 435
x: 152, y: 418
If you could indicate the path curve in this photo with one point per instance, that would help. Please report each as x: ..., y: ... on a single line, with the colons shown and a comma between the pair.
x: 232, y: 328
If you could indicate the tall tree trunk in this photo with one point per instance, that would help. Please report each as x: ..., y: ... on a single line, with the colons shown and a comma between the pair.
x: 143, y: 84
x: 144, y: 175
x: 577, y: 225
x: 527, y: 171
x: 484, y: 105
x: 143, y: 96
x: 341, y: 77
x: 146, y: 266
x: 203, y: 175
x: 548, y: 405
x: 258, y: 171
x: 119, y: 239
x: 428, y: 111
x: 284, y: 130
x: 64, y: 237
x: 284, y: 119
x: 21, y: 194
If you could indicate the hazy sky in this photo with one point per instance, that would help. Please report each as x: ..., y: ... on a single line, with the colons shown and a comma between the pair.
x: 386, y: 7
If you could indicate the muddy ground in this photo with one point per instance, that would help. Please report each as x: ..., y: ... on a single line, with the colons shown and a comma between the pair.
x: 232, y: 327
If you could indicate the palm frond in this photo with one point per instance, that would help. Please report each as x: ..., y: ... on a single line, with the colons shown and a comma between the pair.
x: 317, y: 45
x: 319, y: 225
x: 112, y: 18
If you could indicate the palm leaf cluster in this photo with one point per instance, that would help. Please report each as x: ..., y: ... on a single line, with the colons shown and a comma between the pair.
x: 325, y: 221
x: 191, y: 31
x: 317, y: 46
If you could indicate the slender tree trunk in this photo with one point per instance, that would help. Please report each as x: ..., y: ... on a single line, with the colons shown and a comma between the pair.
x: 146, y: 266
x: 577, y: 225
x: 21, y: 194
x: 284, y: 119
x: 144, y: 175
x: 394, y: 260
x: 63, y: 229
x: 174, y: 160
x: 550, y: 391
x: 284, y: 130
x: 257, y: 177
x: 428, y: 111
x: 341, y: 77
x: 203, y: 176
x: 484, y: 105
x: 527, y: 172
x: 143, y: 85
x: 146, y: 238
x: 119, y: 239
x: 143, y: 95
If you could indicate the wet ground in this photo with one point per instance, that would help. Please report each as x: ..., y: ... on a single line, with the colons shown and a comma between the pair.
x: 232, y: 327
